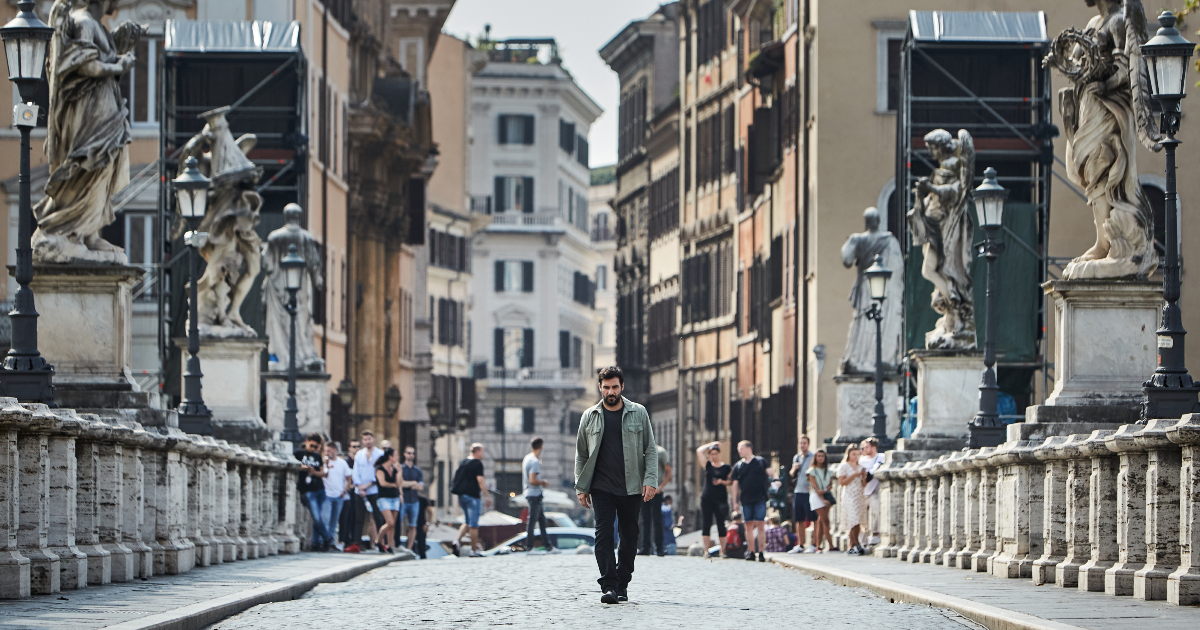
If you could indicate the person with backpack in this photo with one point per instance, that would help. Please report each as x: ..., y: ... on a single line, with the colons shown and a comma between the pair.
x: 735, y: 537
x: 471, y: 487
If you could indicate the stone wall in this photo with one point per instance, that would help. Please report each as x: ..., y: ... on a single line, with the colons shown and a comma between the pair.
x: 1113, y: 511
x: 86, y: 501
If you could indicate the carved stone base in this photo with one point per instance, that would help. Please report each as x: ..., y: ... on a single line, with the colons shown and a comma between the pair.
x: 856, y: 407
x: 14, y: 576
x: 231, y: 368
x: 312, y: 401
x: 947, y: 397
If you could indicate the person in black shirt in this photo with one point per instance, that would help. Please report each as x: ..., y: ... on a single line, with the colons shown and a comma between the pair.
x: 750, y: 481
x: 714, y: 501
x: 312, y: 488
x: 471, y: 487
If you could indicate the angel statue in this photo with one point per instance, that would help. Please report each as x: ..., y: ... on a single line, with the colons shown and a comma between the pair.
x: 233, y: 248
x: 87, y: 135
x: 941, y: 226
x: 1106, y: 105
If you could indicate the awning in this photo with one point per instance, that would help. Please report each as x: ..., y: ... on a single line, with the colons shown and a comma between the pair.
x: 232, y: 37
x: 978, y: 26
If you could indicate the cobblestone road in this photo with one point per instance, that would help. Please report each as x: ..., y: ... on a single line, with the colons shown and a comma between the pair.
x: 560, y: 592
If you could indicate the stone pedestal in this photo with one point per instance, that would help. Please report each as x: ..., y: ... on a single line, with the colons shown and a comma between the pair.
x: 1104, y: 344
x: 947, y: 398
x: 312, y: 401
x: 1183, y: 585
x: 856, y: 407
x: 232, y: 369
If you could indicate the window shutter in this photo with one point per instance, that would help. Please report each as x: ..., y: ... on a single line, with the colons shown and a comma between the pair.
x: 576, y: 352
x: 527, y: 353
x: 499, y: 420
x: 498, y: 190
x: 467, y: 387
x: 528, y: 129
x: 527, y: 419
x: 498, y: 348
x: 502, y: 137
x: 443, y: 328
x: 564, y: 349
x: 527, y: 188
x: 499, y: 265
x: 527, y: 276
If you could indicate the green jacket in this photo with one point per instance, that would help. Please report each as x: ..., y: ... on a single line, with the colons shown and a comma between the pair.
x: 637, y: 440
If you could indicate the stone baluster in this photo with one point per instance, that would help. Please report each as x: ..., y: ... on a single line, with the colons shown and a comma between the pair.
x: 260, y: 538
x: 1131, y: 511
x: 154, y: 462
x: 111, y: 515
x: 944, y: 539
x: 220, y: 517
x: 933, y: 484
x: 45, y: 568
x: 14, y: 567
x: 193, y: 454
x: 908, y: 512
x: 1183, y: 585
x: 1161, y: 515
x: 987, y: 510
x: 233, y: 527
x: 1054, y: 510
x: 954, y: 515
x: 271, y: 504
x: 287, y: 528
x: 1077, y: 492
x: 1102, y: 507
x: 1018, y: 510
x: 920, y: 512
x: 247, y: 511
x: 61, y: 502
x: 178, y: 553
x: 87, y: 501
x: 134, y: 489
x: 889, y: 515
x: 970, y: 510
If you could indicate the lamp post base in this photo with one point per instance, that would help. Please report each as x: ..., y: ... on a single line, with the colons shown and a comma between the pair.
x: 987, y: 434
x: 1169, y: 403
x: 28, y: 385
x: 195, y: 419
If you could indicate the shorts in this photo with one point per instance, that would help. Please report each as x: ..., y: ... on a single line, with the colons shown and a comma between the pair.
x: 470, y: 507
x: 712, y: 511
x: 800, y: 509
x: 384, y: 503
x: 411, y: 510
x: 754, y: 511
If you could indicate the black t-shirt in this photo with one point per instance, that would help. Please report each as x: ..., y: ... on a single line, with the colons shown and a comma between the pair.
x: 609, y: 474
x: 386, y: 492
x: 715, y: 492
x: 752, y: 480
x: 472, y: 468
x: 306, y: 482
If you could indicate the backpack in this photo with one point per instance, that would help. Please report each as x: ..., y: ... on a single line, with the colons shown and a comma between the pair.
x: 458, y: 484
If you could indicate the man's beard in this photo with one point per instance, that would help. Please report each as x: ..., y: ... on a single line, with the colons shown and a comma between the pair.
x: 611, y: 400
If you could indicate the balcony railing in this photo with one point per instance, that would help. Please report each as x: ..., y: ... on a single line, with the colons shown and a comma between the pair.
x: 533, y: 377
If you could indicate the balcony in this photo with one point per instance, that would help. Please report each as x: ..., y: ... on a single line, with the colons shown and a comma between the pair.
x: 530, y: 377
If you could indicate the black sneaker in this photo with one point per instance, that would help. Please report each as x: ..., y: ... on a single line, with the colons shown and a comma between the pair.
x: 750, y: 556
x: 761, y: 557
x: 622, y: 595
x: 609, y: 597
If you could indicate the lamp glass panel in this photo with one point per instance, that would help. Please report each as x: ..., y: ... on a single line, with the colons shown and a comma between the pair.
x: 12, y: 51
x: 33, y: 58
x: 200, y: 201
x: 878, y: 285
x: 346, y: 396
x: 186, y: 208
x: 293, y: 276
x: 1168, y: 73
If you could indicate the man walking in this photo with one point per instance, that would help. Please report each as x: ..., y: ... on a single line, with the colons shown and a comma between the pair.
x: 750, y: 482
x: 531, y: 468
x: 870, y: 461
x: 414, y: 482
x: 471, y: 487
x: 350, y: 527
x: 802, y: 515
x: 652, y: 509
x: 312, y: 488
x: 365, y: 483
x: 616, y: 462
x: 338, y: 482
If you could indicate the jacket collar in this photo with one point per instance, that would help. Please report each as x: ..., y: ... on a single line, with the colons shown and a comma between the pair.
x: 599, y: 406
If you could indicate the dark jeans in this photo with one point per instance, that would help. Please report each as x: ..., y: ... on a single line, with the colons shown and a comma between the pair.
x: 357, y: 517
x: 349, y: 525
x: 315, y: 500
x: 652, y: 526
x: 537, y: 516
x: 615, y: 573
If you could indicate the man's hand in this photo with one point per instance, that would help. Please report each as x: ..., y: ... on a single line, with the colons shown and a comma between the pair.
x: 648, y: 492
x: 585, y: 500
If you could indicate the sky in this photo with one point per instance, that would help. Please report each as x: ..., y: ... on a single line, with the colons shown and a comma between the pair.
x: 581, y: 27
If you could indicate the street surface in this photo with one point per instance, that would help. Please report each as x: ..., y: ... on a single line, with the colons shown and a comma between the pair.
x: 560, y: 591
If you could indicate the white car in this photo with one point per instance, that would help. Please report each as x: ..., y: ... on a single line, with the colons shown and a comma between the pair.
x: 560, y: 519
x: 564, y: 538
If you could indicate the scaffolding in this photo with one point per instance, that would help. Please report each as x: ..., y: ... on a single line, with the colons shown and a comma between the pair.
x: 982, y: 72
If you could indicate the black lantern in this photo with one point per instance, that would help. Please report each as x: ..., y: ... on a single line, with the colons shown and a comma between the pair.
x: 293, y: 269
x: 986, y: 428
x: 191, y: 190
x: 877, y: 279
x: 391, y: 400
x: 989, y: 201
x: 191, y: 195
x: 293, y: 275
x: 464, y: 418
x: 346, y: 392
x: 877, y: 282
x: 26, y: 39
x: 434, y: 407
x: 1167, y: 55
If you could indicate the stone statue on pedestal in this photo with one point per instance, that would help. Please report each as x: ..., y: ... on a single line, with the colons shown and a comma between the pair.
x: 941, y: 226
x: 87, y: 133
x: 275, y: 295
x: 860, y: 250
x: 233, y: 248
x: 1108, y: 104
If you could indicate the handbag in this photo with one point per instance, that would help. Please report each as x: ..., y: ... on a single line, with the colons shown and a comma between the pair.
x: 828, y: 496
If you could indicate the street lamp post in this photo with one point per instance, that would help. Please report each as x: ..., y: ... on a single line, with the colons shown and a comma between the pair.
x: 26, y: 375
x: 877, y: 281
x: 1170, y: 392
x: 293, y: 269
x: 985, y: 428
x: 191, y: 196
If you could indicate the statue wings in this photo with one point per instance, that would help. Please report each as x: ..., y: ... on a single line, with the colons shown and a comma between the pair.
x: 1139, y: 75
x: 966, y: 167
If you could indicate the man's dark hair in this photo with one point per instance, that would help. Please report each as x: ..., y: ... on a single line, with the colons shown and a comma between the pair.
x: 314, y: 437
x: 611, y: 371
x: 368, y: 433
x: 535, y: 443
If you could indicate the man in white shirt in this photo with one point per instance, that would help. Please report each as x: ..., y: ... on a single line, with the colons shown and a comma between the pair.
x: 338, y: 481
x: 870, y: 460
x: 531, y: 469
x: 802, y: 514
x: 364, y: 478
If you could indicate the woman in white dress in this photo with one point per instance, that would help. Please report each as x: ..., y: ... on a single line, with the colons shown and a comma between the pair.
x: 851, y: 476
x: 820, y: 481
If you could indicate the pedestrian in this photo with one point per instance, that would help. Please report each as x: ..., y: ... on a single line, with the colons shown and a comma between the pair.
x: 714, y: 500
x: 338, y: 483
x: 871, y: 460
x: 735, y: 537
x: 820, y: 499
x: 802, y: 513
x: 616, y: 462
x: 351, y: 525
x: 414, y: 483
x: 652, y: 509
x: 312, y: 488
x: 668, y: 528
x: 387, y: 475
x: 750, y: 481
x: 531, y: 468
x: 792, y: 539
x: 851, y: 477
x: 422, y: 527
x: 777, y: 536
x: 471, y: 487
x: 367, y: 485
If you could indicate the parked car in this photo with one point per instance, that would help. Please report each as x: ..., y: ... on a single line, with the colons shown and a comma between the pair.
x: 437, y: 549
x: 560, y: 519
x: 564, y: 538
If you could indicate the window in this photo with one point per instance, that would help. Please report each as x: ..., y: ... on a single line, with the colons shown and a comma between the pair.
x: 514, y: 275
x: 602, y: 276
x: 889, y: 36
x: 631, y: 121
x: 663, y: 347
x: 412, y: 57
x: 706, y: 283
x: 566, y: 136
x: 448, y: 251
x: 515, y: 129
x: 514, y: 419
x: 514, y: 194
x: 570, y: 350
x: 139, y: 85
x: 664, y: 204
x: 141, y: 241
x: 583, y: 290
x: 450, y: 322
x: 581, y: 154
x: 572, y: 541
x: 513, y: 348
x: 710, y: 30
